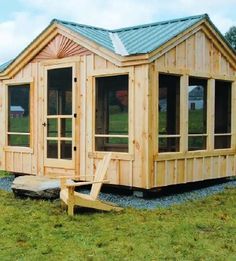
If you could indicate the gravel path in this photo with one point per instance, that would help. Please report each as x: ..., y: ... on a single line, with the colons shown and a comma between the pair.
x: 5, y: 183
x: 167, y: 200
x: 150, y: 203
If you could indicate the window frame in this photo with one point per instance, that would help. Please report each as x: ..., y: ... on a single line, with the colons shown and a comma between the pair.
x: 8, y: 147
x: 91, y: 79
x: 123, y: 136
x: 206, y: 134
x: 157, y: 118
x: 224, y: 134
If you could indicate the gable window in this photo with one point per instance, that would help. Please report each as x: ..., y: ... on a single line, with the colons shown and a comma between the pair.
x: 197, y: 114
x: 222, y: 114
x: 19, y: 115
x: 169, y: 113
x: 111, y: 118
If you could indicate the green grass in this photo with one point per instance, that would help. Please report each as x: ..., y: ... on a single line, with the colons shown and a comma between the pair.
x: 41, y: 230
x: 4, y: 174
x: 20, y: 124
x: 196, y: 124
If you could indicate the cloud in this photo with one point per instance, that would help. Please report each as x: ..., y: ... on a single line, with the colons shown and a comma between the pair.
x: 24, y: 25
x: 17, y: 33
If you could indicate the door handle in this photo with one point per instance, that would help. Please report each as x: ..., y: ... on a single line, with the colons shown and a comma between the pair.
x: 44, y: 124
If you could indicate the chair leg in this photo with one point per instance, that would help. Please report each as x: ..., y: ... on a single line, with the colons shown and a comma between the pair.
x: 71, y: 201
x: 71, y: 209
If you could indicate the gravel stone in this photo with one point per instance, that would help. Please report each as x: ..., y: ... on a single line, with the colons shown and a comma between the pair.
x: 149, y: 203
x: 6, y: 182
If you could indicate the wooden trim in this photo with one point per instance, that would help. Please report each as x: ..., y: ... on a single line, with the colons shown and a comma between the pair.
x: 22, y: 81
x: 210, y: 113
x: 114, y: 155
x: 59, y: 163
x: 184, y: 113
x: 18, y: 149
x: 222, y: 134
x: 59, y: 116
x: 18, y: 133
x: 60, y: 138
x: 131, y: 115
x: 233, y: 115
x: 110, y: 136
x: 60, y: 62
x: 109, y: 72
x: 193, y: 73
x: 198, y: 135
x: 195, y: 154
x: 63, y: 163
x: 15, y: 82
x: 106, y: 73
x: 169, y: 136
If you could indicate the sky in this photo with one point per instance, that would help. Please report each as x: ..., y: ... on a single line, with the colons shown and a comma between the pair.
x: 22, y: 20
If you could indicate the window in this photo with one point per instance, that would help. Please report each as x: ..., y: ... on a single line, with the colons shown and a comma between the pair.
x: 222, y: 115
x: 19, y: 115
x: 111, y: 118
x: 197, y: 114
x: 169, y: 113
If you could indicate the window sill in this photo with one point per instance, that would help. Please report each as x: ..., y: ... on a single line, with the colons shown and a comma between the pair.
x: 18, y: 149
x: 194, y: 154
x: 114, y: 155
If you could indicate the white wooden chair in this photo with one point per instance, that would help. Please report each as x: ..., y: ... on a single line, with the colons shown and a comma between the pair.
x: 72, y: 198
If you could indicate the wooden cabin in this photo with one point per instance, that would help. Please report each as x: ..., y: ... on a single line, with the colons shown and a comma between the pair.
x: 161, y: 97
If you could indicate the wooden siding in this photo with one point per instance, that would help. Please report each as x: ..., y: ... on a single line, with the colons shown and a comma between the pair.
x: 198, y: 55
x: 183, y: 170
x: 195, y: 56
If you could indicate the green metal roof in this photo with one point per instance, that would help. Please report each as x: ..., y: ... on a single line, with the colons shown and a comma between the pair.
x: 141, y: 39
x: 5, y: 65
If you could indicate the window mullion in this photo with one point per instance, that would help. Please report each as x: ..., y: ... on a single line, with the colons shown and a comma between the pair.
x: 184, y: 113
x: 210, y: 113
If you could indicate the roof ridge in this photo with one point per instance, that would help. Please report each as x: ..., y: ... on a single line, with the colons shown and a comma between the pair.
x: 78, y: 24
x: 131, y: 27
x: 160, y: 23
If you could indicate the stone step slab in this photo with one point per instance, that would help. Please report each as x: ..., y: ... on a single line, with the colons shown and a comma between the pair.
x: 36, y: 187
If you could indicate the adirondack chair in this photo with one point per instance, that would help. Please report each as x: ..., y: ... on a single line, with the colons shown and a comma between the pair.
x: 72, y: 198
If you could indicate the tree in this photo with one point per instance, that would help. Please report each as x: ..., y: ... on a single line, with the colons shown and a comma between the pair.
x: 231, y: 36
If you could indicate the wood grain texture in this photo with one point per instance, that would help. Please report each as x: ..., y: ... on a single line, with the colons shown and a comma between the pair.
x: 60, y: 47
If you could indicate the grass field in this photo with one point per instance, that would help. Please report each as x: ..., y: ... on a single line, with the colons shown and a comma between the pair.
x: 41, y: 230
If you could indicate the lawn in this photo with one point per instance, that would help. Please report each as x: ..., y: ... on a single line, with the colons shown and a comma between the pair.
x: 4, y: 174
x: 41, y: 230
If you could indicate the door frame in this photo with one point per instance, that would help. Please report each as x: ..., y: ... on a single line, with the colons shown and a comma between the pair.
x: 61, y: 163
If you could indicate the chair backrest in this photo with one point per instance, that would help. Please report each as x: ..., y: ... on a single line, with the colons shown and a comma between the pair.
x: 100, y: 175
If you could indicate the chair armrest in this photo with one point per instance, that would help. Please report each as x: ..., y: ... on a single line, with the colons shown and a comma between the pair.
x: 78, y: 184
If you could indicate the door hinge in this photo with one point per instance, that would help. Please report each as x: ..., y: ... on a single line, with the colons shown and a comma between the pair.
x: 75, y: 79
x: 75, y: 115
x: 74, y: 148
